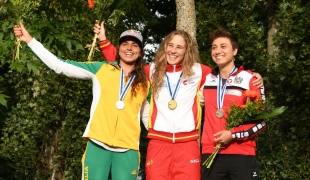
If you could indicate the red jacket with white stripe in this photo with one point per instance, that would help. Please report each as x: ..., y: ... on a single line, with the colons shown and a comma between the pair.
x: 243, y: 142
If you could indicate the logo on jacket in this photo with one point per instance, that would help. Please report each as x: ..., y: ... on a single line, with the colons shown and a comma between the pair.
x: 238, y: 80
x: 194, y: 160
x: 213, y: 81
x: 134, y: 172
x: 188, y: 81
x: 86, y: 173
x: 149, y: 162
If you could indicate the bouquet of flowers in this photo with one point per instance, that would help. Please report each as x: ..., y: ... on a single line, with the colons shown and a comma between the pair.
x: 254, y: 109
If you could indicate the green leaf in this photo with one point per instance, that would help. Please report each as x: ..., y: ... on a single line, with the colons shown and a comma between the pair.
x: 17, y: 65
x: 2, y: 99
x: 4, y: 25
x: 274, y: 112
x: 69, y: 45
x: 31, y: 67
x: 115, y: 5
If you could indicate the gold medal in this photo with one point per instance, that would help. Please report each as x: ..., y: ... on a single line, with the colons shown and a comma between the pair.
x: 219, y: 113
x: 172, y: 104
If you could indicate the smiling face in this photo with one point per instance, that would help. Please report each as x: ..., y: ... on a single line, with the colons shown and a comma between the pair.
x: 175, y: 50
x: 223, y: 52
x: 129, y: 52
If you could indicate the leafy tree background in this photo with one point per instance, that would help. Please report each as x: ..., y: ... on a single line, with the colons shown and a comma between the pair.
x: 45, y: 116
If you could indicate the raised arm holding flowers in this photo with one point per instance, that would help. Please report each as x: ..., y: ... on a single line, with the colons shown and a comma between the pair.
x: 100, y: 31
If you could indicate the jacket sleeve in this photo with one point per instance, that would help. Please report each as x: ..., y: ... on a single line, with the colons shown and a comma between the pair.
x: 145, y: 113
x: 205, y: 71
x: 108, y: 50
x: 252, y: 128
x: 69, y: 68
x: 248, y: 131
x: 145, y: 109
x: 147, y: 71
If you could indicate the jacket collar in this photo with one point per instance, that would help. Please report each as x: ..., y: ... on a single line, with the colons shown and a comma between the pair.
x: 174, y: 68
x: 215, y: 71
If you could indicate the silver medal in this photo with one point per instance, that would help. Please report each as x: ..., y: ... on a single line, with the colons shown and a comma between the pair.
x: 120, y: 104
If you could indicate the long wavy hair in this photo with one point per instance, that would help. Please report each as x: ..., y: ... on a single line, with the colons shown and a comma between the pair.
x: 140, y: 80
x: 191, y: 56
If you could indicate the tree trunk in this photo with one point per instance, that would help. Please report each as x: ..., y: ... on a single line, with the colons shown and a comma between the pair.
x: 272, y: 27
x: 186, y: 20
x: 186, y: 17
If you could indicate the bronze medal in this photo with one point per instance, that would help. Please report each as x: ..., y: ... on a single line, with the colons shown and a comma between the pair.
x: 219, y: 113
x: 172, y: 104
x: 221, y: 89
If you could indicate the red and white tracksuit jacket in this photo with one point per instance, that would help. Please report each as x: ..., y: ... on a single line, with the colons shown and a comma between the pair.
x: 182, y: 123
x: 243, y: 142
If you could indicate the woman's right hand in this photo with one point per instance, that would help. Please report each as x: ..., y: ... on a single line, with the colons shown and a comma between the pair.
x: 22, y: 33
x: 100, y: 31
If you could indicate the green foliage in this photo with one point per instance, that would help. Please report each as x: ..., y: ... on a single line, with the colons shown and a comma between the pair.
x: 2, y: 99
x: 246, y: 18
x: 285, y: 154
x: 154, y: 19
x: 43, y: 132
x: 283, y: 150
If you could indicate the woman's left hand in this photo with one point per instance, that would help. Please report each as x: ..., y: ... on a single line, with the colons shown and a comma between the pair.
x: 223, y: 137
x: 259, y: 80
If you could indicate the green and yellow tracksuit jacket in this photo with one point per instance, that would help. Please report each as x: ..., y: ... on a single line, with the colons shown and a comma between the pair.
x: 108, y: 125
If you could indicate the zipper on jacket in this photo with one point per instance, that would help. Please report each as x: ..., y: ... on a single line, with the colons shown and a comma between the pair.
x: 173, y: 135
x: 115, y: 128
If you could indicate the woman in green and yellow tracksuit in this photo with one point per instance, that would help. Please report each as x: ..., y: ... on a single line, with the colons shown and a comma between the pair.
x: 120, y: 94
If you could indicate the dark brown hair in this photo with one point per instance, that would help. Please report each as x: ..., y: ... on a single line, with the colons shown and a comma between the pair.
x: 140, y: 80
x: 221, y: 32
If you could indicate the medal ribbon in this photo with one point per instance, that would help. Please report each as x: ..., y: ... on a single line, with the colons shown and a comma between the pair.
x: 221, y: 88
x: 122, y: 90
x: 172, y: 95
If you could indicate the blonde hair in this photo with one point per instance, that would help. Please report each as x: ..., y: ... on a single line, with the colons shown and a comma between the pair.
x: 190, y: 58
